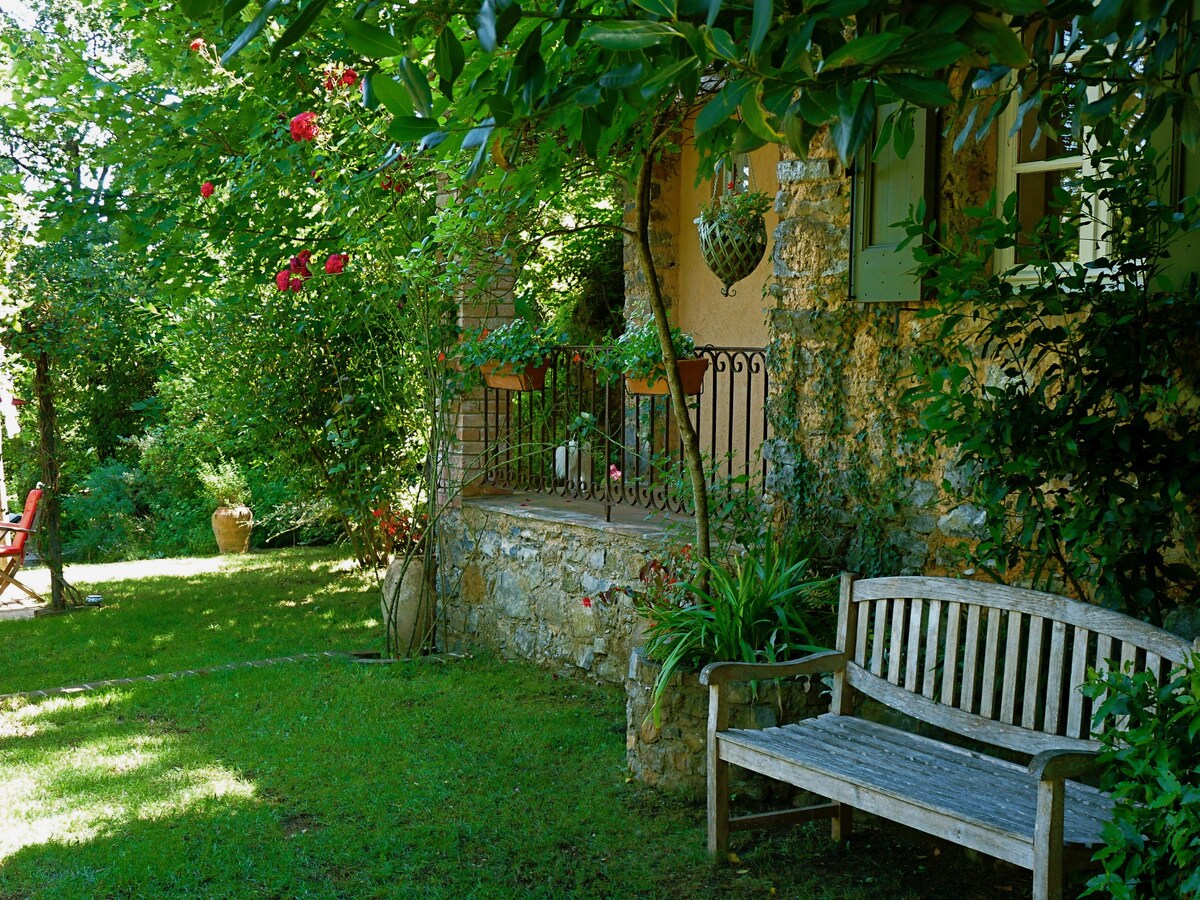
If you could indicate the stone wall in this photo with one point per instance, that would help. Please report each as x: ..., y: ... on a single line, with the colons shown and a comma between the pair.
x: 515, y: 575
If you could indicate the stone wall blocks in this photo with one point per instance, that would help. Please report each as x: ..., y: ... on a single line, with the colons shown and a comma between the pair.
x: 966, y: 521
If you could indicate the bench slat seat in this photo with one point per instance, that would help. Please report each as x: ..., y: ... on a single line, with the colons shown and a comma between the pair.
x: 997, y: 665
x: 990, y: 803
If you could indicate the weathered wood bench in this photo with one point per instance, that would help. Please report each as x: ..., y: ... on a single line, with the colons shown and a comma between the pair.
x: 994, y: 664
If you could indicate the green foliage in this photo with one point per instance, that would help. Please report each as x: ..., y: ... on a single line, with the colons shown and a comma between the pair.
x: 1152, y: 845
x: 107, y: 524
x: 516, y: 343
x: 761, y: 607
x: 224, y: 484
x: 1070, y: 399
x: 638, y: 353
x: 740, y: 208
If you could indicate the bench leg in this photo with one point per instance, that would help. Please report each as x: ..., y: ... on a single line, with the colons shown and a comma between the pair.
x: 718, y: 803
x: 840, y: 826
x: 1048, y: 842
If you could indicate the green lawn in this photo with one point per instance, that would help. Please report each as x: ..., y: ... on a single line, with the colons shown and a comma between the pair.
x: 328, y: 779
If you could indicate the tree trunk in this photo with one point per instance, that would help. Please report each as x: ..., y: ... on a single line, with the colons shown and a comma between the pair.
x: 50, y: 539
x: 687, y: 432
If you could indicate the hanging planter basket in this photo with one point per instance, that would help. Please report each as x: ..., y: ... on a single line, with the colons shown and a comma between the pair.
x: 732, y: 249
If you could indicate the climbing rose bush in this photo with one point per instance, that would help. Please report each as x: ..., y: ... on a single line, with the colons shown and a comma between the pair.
x: 304, y: 127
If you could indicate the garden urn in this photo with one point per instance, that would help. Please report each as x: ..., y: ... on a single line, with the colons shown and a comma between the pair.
x: 231, y: 527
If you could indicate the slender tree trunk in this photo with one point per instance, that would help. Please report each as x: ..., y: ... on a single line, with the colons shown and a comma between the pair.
x: 50, y: 539
x: 687, y: 432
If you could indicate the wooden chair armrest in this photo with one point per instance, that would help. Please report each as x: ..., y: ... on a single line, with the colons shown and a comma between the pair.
x: 5, y: 526
x: 726, y: 672
x: 1051, y: 765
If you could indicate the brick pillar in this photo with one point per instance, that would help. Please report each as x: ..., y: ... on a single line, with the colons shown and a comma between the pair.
x: 465, y: 455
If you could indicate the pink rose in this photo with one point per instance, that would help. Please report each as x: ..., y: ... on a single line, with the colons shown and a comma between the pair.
x: 282, y: 279
x: 197, y: 45
x: 206, y: 189
x: 614, y: 473
x: 304, y: 127
x: 335, y: 264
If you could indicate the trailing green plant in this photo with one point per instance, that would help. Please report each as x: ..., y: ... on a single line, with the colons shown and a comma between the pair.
x: 1152, y: 759
x: 520, y: 342
x: 638, y: 353
x: 762, y: 607
x: 1063, y: 388
x: 224, y: 484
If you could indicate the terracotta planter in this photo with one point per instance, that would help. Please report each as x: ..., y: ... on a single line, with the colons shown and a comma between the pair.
x: 691, y: 373
x: 231, y: 527
x: 509, y: 378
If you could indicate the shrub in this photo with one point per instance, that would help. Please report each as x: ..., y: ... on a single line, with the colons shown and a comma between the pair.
x: 1152, y: 846
x: 762, y: 607
x: 101, y: 521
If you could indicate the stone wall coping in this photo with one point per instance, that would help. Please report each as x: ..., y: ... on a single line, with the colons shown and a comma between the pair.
x: 637, y: 523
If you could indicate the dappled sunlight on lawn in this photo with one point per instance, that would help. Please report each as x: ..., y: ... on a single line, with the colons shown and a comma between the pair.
x: 71, y: 790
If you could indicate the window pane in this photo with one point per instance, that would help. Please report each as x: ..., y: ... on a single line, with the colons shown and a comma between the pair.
x: 1034, y: 145
x: 1049, y: 194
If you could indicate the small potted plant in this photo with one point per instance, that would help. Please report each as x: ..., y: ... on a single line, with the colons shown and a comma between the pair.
x: 225, y: 485
x: 638, y: 355
x: 513, y: 356
x: 733, y: 233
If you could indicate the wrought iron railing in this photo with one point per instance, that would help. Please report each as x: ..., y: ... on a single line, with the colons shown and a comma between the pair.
x: 583, y: 436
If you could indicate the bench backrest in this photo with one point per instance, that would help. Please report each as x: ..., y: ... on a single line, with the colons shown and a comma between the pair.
x: 996, y: 663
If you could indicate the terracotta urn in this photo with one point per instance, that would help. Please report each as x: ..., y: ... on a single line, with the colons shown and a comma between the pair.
x: 231, y: 527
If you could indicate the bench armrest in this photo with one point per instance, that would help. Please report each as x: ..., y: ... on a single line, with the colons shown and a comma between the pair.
x: 726, y: 672
x: 5, y: 526
x: 1051, y: 765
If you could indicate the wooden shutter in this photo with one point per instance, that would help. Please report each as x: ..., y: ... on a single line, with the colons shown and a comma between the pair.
x: 884, y: 189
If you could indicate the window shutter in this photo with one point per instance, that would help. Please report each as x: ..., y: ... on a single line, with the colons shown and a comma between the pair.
x: 883, y: 190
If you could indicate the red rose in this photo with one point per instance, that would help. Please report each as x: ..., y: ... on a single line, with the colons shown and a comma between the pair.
x: 197, y: 45
x: 295, y: 284
x: 349, y: 77
x: 335, y: 264
x: 442, y: 357
x: 304, y: 127
x: 587, y: 602
x: 206, y: 189
x: 282, y: 279
x: 305, y: 256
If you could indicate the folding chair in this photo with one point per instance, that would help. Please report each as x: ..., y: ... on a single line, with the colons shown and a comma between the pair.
x: 16, y: 535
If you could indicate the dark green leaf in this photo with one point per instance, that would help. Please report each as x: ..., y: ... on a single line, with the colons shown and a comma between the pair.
x: 232, y: 8
x: 994, y: 37
x: 926, y: 92
x: 667, y: 76
x: 754, y: 116
x: 714, y: 9
x: 719, y: 41
x: 629, y: 35
x: 854, y: 123
x: 449, y: 57
x: 299, y: 26
x: 250, y: 32
x: 479, y: 135
x: 506, y: 21
x: 623, y: 77
x: 406, y: 129
x: 664, y: 9
x: 862, y: 50
x: 817, y: 107
x: 392, y: 95
x: 369, y: 98
x: 485, y: 26
x: 760, y: 23
x: 195, y: 9
x: 501, y: 108
x: 371, y: 41
x: 721, y: 107
x: 413, y: 77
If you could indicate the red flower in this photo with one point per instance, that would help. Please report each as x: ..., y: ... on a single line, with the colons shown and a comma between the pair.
x: 305, y: 256
x: 295, y: 284
x: 576, y: 358
x: 335, y: 264
x: 587, y: 602
x: 349, y: 77
x: 206, y: 189
x: 304, y: 127
x: 442, y: 357
x: 282, y: 279
x: 197, y: 45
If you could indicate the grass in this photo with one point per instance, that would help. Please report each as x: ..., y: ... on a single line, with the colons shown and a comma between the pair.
x: 326, y: 779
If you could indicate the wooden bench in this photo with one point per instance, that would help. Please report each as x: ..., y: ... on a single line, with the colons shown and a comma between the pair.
x: 994, y: 664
